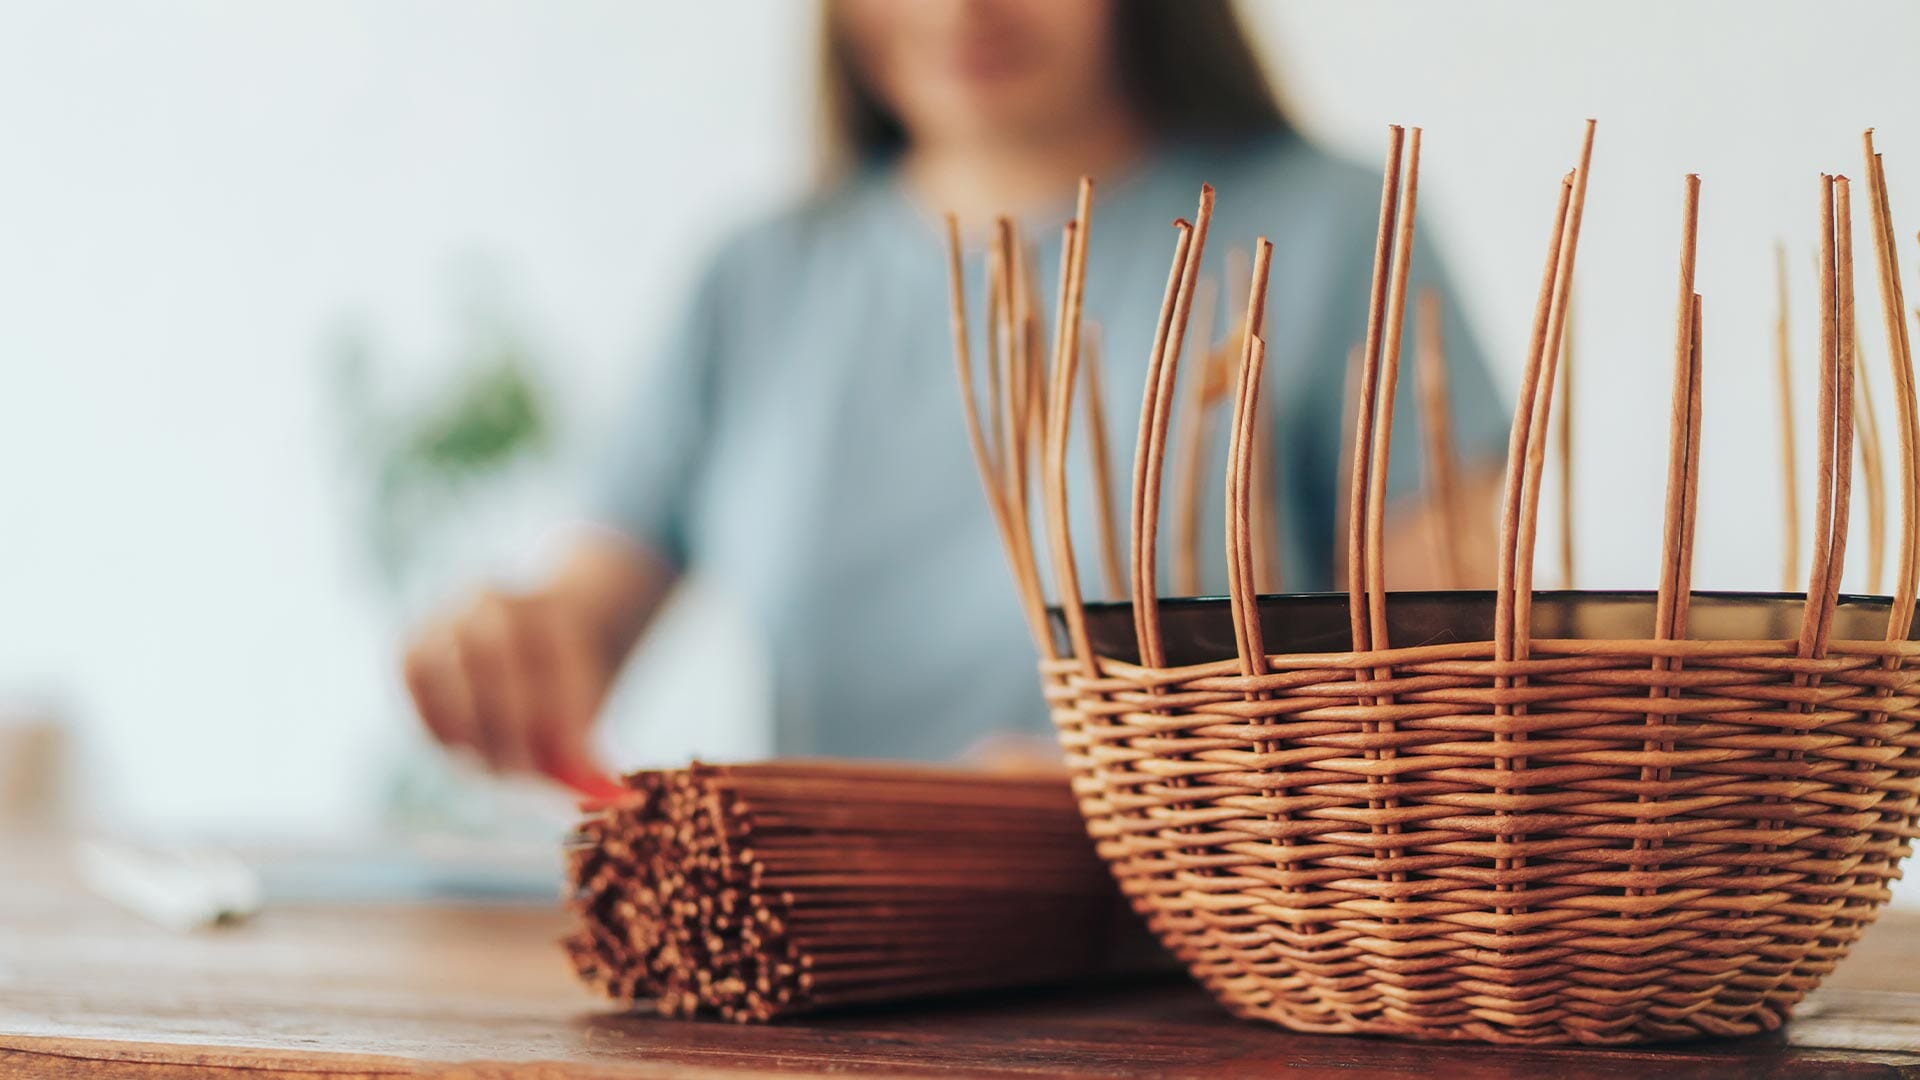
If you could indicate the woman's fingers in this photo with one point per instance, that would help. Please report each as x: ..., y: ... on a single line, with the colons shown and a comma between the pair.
x: 438, y: 685
x: 567, y: 682
x: 493, y: 654
x: 519, y: 681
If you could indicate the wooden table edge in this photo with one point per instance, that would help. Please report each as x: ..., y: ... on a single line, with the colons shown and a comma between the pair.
x: 115, y: 1059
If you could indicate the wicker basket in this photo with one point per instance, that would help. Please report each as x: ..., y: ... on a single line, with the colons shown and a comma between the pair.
x: 1547, y: 818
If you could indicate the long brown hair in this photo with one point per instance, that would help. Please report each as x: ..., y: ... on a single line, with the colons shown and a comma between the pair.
x: 1187, y: 68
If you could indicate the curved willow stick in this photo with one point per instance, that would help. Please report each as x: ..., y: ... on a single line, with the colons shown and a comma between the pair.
x: 1066, y: 352
x: 1436, y: 436
x: 1358, y: 485
x: 1789, y: 458
x: 1113, y: 573
x: 1150, y: 452
x: 1540, y: 422
x: 1032, y: 603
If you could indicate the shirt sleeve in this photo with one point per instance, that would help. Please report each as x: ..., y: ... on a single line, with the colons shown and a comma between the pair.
x: 644, y: 481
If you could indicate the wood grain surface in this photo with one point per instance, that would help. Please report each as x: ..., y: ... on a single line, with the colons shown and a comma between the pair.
x: 484, y: 992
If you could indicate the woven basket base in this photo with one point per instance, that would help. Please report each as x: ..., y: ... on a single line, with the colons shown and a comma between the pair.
x: 1557, y: 1034
x: 1452, y: 848
x: 1552, y: 1004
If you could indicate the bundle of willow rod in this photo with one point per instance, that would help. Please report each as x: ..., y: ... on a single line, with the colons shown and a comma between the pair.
x: 759, y: 891
x: 1483, y: 832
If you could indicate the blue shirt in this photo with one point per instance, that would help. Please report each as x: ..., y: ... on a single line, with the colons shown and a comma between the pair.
x: 802, y: 440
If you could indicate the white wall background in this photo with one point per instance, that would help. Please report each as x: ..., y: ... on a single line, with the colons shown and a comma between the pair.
x: 1758, y: 98
x: 194, y: 195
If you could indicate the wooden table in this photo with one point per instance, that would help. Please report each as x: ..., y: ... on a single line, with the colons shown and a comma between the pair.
x: 482, y: 992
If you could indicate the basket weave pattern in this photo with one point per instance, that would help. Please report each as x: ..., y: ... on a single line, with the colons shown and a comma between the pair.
x: 1608, y: 866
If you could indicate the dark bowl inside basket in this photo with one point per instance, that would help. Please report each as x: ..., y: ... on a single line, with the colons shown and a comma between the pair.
x: 1199, y: 630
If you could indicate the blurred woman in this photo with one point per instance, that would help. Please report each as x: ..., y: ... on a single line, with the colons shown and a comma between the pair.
x: 801, y: 441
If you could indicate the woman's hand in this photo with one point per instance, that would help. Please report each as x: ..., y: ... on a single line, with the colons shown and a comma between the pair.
x: 517, y: 679
x: 520, y: 678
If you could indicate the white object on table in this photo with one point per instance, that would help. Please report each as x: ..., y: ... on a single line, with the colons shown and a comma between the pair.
x: 177, y: 887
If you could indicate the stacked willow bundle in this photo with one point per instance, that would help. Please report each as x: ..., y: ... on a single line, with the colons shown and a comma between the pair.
x: 758, y: 891
x: 1492, y: 815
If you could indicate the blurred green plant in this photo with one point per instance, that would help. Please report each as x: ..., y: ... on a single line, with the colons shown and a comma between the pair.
x: 417, y: 467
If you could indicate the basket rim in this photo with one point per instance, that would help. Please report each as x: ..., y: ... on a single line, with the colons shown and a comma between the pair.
x: 1199, y: 629
x: 1341, y: 595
